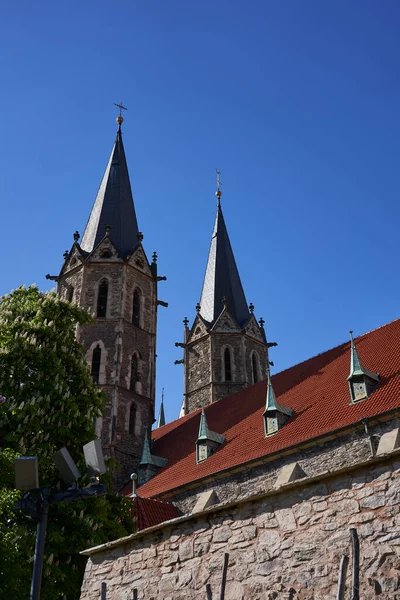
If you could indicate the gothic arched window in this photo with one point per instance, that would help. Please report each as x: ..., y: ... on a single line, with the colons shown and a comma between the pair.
x: 96, y: 361
x: 132, y: 419
x: 70, y: 294
x: 134, y: 372
x: 102, y: 299
x: 136, y: 308
x: 254, y: 367
x: 227, y: 365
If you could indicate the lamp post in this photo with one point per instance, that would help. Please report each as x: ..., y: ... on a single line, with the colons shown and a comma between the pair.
x: 35, y: 501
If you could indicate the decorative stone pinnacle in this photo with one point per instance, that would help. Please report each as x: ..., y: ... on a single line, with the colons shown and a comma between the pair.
x: 225, y: 301
x: 198, y: 307
x: 108, y: 229
x: 66, y: 254
x: 155, y: 257
x: 251, y: 307
x: 76, y: 236
x: 261, y: 322
x: 186, y: 322
x: 140, y: 237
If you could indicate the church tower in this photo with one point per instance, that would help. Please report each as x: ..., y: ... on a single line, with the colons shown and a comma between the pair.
x: 109, y: 274
x: 226, y: 349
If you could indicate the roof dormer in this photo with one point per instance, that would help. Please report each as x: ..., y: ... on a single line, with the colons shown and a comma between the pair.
x: 207, y: 441
x: 275, y: 414
x: 361, y: 381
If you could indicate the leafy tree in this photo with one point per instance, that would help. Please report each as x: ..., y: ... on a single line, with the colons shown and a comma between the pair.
x: 48, y: 400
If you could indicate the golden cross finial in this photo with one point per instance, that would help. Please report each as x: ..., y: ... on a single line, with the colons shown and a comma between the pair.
x: 218, y: 193
x: 121, y: 108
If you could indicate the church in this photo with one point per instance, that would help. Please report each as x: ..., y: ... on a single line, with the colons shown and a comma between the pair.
x: 283, y: 486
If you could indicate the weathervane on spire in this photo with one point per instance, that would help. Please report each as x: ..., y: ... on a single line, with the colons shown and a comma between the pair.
x: 120, y: 118
x: 218, y: 193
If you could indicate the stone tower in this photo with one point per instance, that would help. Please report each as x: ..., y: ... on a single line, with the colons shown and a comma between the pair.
x: 226, y: 348
x: 109, y: 274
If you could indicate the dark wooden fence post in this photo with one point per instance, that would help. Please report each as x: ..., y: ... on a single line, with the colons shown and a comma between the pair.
x: 355, y: 592
x: 209, y: 592
x: 344, y: 561
x: 224, y: 573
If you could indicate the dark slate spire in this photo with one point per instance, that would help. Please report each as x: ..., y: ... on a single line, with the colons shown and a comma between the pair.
x: 222, y: 279
x: 113, y: 206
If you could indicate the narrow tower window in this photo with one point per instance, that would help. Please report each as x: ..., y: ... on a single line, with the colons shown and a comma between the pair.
x: 102, y: 299
x: 70, y: 294
x: 96, y: 361
x: 132, y: 419
x: 136, y: 308
x: 228, y: 365
x: 134, y: 372
x: 254, y: 367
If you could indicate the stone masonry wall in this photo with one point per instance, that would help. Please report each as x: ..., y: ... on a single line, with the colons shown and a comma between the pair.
x: 338, y: 453
x: 286, y: 546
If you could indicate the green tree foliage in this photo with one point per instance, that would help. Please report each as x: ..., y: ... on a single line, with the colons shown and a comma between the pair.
x: 48, y: 400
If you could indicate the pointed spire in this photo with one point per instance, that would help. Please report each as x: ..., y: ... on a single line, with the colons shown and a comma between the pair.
x: 271, y: 403
x: 222, y: 278
x: 356, y: 367
x: 161, y: 416
x: 203, y: 427
x: 205, y: 433
x: 146, y: 453
x: 113, y: 206
x: 147, y: 457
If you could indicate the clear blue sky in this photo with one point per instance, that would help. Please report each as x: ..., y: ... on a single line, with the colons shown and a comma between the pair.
x: 297, y: 103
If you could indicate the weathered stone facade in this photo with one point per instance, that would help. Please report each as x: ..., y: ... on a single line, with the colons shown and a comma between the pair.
x: 206, y: 378
x: 341, y: 452
x: 130, y: 410
x: 285, y: 543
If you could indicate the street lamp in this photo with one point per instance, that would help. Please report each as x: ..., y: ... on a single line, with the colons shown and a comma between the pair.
x: 35, y: 500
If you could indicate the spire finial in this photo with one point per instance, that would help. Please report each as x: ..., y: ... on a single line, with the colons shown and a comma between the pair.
x: 120, y: 118
x: 218, y: 193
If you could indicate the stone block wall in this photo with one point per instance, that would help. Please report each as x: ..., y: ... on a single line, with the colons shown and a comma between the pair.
x: 286, y: 545
x: 330, y: 455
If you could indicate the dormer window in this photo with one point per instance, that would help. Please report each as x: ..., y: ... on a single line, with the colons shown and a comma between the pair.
x: 207, y: 441
x: 275, y: 414
x: 361, y: 381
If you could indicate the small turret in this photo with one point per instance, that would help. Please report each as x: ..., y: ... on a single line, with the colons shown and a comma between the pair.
x: 150, y: 464
x: 361, y: 381
x: 275, y: 414
x: 207, y: 441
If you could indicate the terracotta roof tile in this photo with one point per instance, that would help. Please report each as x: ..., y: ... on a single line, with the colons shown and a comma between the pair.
x: 316, y: 390
x: 151, y: 512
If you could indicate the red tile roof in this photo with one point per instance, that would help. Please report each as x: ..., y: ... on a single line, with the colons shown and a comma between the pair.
x: 317, y: 391
x: 152, y: 512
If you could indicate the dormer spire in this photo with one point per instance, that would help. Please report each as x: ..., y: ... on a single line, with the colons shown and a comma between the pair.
x: 275, y: 414
x: 362, y: 382
x: 149, y: 464
x: 207, y: 441
x: 114, y: 206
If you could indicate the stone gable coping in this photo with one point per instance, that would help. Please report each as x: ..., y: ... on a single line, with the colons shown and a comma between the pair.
x: 220, y: 507
x: 389, y: 442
